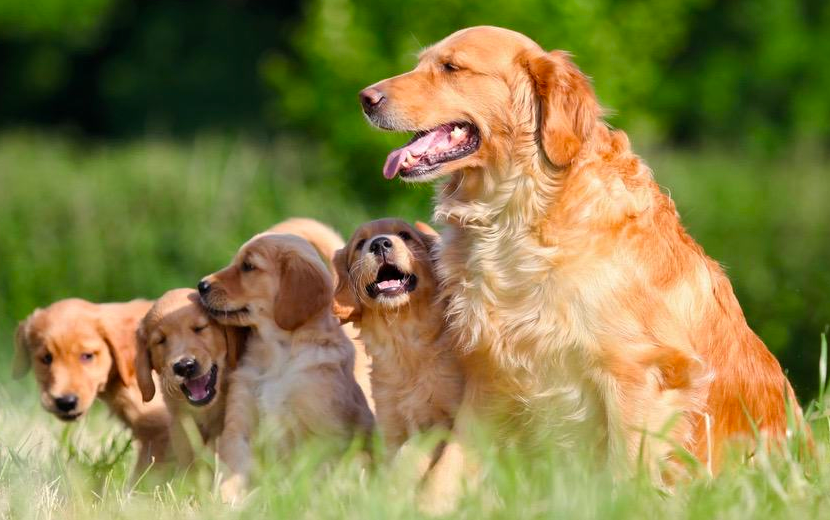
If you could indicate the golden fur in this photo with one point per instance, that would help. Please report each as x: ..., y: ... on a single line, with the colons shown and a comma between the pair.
x: 327, y: 241
x: 586, y: 312
x: 178, y: 328
x: 297, y: 370
x: 417, y: 381
x: 416, y: 378
x: 88, y: 350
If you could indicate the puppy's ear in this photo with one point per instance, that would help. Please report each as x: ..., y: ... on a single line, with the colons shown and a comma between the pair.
x: 143, y: 364
x: 22, y: 361
x: 425, y: 228
x: 570, y: 110
x: 345, y: 304
x: 235, y: 338
x: 305, y: 289
x: 118, y: 329
x: 429, y: 236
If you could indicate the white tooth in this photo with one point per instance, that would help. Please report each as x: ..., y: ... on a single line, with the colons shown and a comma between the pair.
x: 408, y: 160
x: 457, y: 133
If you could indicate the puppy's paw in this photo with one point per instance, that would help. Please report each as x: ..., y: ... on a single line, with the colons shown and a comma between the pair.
x: 434, y: 502
x: 232, y: 490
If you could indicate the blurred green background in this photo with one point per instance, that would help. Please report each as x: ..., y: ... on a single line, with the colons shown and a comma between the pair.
x: 142, y: 141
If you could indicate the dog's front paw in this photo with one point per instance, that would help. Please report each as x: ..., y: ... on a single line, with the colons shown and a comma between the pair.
x: 434, y: 502
x: 232, y: 490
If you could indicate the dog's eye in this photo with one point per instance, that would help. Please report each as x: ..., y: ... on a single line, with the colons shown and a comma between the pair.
x: 450, y: 67
x: 247, y: 267
x: 87, y: 356
x: 359, y: 245
x: 404, y: 235
x: 199, y: 329
x: 161, y: 340
x: 46, y: 359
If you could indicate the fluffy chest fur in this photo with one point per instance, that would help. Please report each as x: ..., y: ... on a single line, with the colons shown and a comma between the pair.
x: 416, y: 378
x: 562, y: 291
x: 523, y: 333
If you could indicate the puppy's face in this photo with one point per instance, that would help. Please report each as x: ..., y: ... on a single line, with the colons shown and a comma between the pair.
x: 386, y: 265
x: 76, y: 349
x: 190, y: 352
x: 472, y: 103
x: 273, y: 279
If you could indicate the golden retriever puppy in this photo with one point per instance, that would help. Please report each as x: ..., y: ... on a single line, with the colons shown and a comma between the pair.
x: 327, y: 241
x: 82, y: 351
x: 297, y: 370
x: 587, y: 314
x: 387, y: 287
x: 193, y: 356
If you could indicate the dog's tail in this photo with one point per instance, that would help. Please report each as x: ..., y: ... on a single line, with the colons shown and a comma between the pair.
x: 324, y: 239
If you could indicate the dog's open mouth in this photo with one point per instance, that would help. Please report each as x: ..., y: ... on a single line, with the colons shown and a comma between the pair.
x: 68, y: 417
x: 429, y: 149
x: 391, y: 281
x: 201, y: 390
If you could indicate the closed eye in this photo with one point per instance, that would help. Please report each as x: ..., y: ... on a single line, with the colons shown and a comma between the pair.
x: 360, y: 244
x: 247, y: 267
x: 199, y: 328
x: 450, y: 67
x: 405, y: 235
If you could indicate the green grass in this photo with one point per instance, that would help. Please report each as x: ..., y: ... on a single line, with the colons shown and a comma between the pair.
x: 120, y: 220
x: 80, y: 471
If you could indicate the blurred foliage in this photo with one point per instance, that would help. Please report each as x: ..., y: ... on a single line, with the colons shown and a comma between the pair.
x: 125, y: 67
x: 733, y: 92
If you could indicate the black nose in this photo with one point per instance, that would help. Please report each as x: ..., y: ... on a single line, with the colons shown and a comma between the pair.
x: 66, y: 403
x: 380, y: 245
x: 371, y: 99
x: 204, y: 287
x: 185, y: 367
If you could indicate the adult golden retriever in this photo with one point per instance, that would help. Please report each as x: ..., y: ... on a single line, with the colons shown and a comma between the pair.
x: 588, y: 316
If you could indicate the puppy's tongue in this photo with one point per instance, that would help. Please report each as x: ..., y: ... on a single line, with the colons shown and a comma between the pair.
x: 414, y: 150
x: 198, y: 387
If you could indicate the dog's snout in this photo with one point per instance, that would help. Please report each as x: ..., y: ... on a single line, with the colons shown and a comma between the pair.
x: 380, y: 245
x: 66, y: 403
x: 185, y: 367
x: 371, y: 99
x: 203, y: 287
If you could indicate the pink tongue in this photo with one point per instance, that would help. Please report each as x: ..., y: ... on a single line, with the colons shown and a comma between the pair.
x: 389, y: 284
x: 198, y: 387
x: 416, y: 148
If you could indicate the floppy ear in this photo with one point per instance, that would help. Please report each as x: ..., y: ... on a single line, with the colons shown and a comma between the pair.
x: 119, y: 332
x: 425, y: 228
x: 430, y: 237
x: 144, y: 365
x: 345, y: 304
x: 305, y: 289
x: 235, y: 338
x: 570, y: 110
x: 22, y: 357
